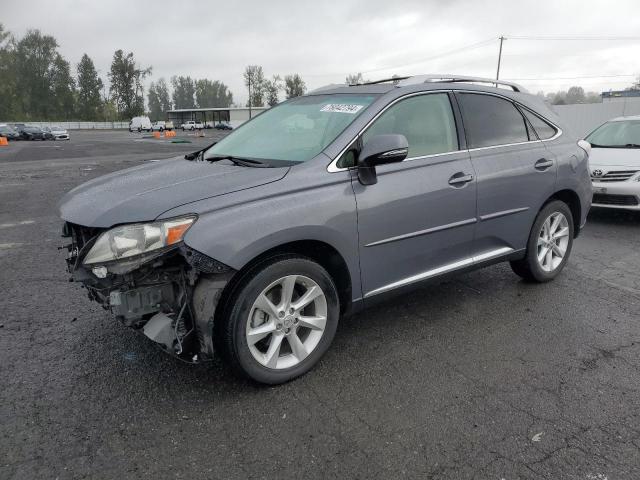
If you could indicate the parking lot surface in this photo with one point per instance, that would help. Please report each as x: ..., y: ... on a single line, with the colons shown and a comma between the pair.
x: 480, y: 377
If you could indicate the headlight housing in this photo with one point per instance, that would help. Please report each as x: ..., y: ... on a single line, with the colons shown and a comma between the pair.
x: 136, y: 239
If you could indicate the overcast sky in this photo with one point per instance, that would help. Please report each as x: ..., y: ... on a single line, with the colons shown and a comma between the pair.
x: 324, y: 40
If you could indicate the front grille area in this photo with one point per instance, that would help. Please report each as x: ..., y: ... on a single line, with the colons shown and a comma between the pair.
x: 608, y: 199
x: 617, y: 176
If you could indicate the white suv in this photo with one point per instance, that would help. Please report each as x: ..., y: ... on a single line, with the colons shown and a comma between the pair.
x: 615, y: 163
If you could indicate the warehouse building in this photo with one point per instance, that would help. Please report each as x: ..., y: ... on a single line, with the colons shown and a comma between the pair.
x: 232, y: 115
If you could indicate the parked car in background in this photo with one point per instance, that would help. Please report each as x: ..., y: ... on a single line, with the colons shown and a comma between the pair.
x: 139, y: 124
x: 29, y: 132
x: 56, y: 133
x: 161, y: 126
x: 223, y: 126
x: 615, y: 163
x: 192, y: 125
x: 9, y: 132
x: 257, y: 245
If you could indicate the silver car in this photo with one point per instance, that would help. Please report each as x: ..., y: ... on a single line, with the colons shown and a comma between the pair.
x: 615, y: 163
x: 56, y: 133
x: 256, y: 246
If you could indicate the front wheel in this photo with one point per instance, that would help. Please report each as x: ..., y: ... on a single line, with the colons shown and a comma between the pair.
x: 549, y: 245
x: 281, y: 319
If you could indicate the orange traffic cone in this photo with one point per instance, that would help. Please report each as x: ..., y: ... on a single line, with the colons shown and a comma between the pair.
x: 3, y: 142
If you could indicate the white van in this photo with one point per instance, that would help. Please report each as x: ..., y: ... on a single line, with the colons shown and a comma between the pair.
x: 138, y: 124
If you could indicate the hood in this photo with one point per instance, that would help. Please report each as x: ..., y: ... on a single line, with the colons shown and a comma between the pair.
x: 615, y: 157
x: 144, y: 192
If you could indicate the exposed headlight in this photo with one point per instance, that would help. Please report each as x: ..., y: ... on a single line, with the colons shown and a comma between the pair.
x: 138, y: 238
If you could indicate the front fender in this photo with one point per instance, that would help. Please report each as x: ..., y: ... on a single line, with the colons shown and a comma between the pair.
x: 307, y: 204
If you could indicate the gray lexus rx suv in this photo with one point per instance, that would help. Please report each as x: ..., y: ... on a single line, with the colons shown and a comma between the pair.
x: 256, y: 246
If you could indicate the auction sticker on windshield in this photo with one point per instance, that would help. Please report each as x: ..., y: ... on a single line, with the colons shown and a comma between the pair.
x: 341, y: 108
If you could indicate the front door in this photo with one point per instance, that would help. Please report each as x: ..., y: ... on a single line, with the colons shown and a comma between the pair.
x: 418, y: 220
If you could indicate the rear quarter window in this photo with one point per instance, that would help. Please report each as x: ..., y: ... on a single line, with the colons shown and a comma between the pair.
x: 541, y: 127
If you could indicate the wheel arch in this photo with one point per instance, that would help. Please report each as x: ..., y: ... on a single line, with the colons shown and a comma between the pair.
x: 319, y: 251
x: 572, y: 200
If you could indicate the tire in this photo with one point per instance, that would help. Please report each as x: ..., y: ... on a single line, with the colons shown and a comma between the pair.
x: 243, y: 310
x: 541, y: 244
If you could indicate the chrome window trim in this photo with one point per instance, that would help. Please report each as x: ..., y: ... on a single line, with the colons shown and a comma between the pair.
x: 434, y: 272
x: 332, y: 167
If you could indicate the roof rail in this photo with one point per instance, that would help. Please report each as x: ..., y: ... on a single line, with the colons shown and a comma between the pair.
x: 384, y: 80
x: 446, y: 78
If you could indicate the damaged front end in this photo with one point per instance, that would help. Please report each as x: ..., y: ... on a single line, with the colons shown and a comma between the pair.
x: 151, y: 281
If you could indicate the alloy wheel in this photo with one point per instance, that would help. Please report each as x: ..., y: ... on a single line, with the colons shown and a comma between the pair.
x: 553, y: 241
x: 286, y: 322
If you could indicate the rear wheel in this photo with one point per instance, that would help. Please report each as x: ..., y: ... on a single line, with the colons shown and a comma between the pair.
x: 281, y: 320
x: 549, y: 244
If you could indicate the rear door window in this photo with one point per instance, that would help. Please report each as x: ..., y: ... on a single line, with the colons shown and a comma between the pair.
x: 491, y: 120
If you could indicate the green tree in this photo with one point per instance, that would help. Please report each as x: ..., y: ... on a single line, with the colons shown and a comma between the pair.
x: 254, y: 81
x: 62, y: 86
x: 575, y: 95
x: 126, y: 88
x: 89, y: 103
x: 355, y: 79
x: 184, y: 90
x: 34, y: 56
x: 159, y: 99
x: 212, y: 94
x: 272, y: 88
x: 8, y: 96
x: 294, y: 86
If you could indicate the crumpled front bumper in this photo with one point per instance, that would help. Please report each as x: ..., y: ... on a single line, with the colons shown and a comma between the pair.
x: 170, y: 295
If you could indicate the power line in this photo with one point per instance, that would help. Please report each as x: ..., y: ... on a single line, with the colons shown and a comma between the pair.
x: 572, y: 38
x: 573, y: 78
x: 436, y: 56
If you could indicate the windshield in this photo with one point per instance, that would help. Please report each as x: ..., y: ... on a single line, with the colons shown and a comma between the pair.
x: 619, y: 134
x: 295, y: 131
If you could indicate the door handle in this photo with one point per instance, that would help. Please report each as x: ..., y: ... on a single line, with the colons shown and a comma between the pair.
x: 460, y: 179
x: 543, y: 164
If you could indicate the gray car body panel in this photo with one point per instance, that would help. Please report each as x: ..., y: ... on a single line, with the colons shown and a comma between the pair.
x: 143, y: 192
x: 244, y: 212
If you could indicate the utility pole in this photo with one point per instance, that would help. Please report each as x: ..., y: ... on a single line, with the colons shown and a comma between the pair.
x: 499, y: 58
x: 249, y: 82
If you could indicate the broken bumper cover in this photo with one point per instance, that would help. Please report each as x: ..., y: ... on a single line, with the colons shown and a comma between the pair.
x: 169, y: 295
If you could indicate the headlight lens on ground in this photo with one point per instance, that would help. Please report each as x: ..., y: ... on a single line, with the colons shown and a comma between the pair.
x: 131, y: 240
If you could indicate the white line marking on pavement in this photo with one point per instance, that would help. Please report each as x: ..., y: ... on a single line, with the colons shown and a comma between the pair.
x: 6, y: 246
x: 23, y: 222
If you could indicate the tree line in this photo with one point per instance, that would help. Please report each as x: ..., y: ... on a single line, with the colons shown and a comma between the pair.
x: 38, y: 84
x: 263, y: 91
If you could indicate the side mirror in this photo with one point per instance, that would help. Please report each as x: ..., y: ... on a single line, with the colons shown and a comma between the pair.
x: 380, y: 150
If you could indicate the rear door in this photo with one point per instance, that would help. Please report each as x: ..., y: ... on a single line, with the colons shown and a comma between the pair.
x: 418, y: 220
x: 515, y: 172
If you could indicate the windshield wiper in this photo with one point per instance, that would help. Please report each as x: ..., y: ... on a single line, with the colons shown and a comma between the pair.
x: 632, y: 145
x: 245, y: 162
x: 198, y: 153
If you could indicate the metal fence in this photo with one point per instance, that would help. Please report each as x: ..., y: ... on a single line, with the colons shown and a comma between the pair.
x: 79, y: 125
x: 584, y: 118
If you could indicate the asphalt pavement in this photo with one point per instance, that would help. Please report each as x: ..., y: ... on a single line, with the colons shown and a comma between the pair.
x: 480, y: 377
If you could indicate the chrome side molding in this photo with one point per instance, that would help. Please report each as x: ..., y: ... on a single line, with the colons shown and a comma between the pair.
x: 466, y: 262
